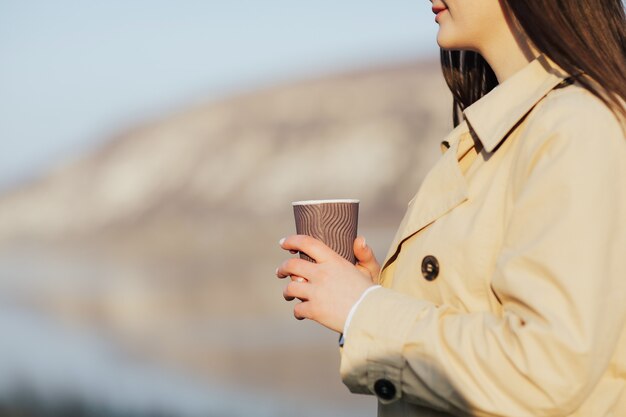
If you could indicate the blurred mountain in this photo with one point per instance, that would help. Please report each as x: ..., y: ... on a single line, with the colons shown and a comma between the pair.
x: 167, y: 236
x: 368, y: 134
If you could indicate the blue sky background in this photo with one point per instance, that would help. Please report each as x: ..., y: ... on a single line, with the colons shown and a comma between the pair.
x: 75, y: 72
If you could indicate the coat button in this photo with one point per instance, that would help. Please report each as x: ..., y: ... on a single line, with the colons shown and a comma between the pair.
x: 430, y: 267
x: 384, y: 389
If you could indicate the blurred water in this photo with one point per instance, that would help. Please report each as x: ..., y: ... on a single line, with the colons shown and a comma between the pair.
x: 57, y: 361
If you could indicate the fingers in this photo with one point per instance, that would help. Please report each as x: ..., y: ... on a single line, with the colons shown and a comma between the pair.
x: 299, y: 290
x: 309, y: 245
x: 302, y: 311
x: 296, y: 267
x: 295, y: 279
x: 365, y: 257
x: 298, y: 279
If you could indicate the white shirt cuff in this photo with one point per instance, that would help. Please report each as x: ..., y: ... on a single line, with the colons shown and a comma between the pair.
x: 353, y: 310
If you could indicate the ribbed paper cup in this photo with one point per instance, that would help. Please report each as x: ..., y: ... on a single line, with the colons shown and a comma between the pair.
x: 334, y: 222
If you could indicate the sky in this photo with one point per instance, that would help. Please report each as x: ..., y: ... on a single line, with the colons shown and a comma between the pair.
x: 74, y: 73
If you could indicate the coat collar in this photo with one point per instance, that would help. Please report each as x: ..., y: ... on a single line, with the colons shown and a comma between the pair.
x: 491, y: 118
x: 496, y: 114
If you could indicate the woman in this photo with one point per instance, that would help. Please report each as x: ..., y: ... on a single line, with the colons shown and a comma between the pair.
x: 504, y: 291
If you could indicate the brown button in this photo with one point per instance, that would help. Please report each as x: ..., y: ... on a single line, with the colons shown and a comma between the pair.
x: 384, y: 389
x: 430, y: 267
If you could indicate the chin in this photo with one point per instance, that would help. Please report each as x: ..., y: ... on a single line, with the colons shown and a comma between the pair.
x: 447, y: 40
x: 442, y: 43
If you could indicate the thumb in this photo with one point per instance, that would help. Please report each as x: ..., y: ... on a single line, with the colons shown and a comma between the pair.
x: 366, y: 260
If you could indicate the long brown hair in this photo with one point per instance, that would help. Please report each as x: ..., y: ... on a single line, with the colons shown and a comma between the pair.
x: 587, y: 38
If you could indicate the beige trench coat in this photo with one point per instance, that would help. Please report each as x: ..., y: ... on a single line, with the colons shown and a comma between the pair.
x: 504, y: 291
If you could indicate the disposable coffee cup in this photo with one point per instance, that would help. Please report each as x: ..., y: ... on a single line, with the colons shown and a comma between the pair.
x: 334, y: 222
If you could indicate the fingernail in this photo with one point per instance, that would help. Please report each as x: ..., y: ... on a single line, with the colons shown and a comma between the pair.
x: 364, y: 244
x: 280, y: 242
x: 276, y: 271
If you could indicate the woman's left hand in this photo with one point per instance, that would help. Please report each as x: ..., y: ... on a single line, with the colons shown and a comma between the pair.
x: 330, y: 287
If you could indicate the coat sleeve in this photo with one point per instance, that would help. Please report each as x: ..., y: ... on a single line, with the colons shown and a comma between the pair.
x: 560, y: 277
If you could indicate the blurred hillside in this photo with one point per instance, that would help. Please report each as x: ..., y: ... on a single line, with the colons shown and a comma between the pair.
x: 166, y: 238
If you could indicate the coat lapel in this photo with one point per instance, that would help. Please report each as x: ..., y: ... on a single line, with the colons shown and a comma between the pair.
x: 443, y: 189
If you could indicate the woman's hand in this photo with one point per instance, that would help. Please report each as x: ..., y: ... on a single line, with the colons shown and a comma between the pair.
x: 328, y: 288
x: 366, y: 260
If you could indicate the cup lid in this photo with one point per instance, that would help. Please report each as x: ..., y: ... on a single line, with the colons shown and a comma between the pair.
x: 337, y: 200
